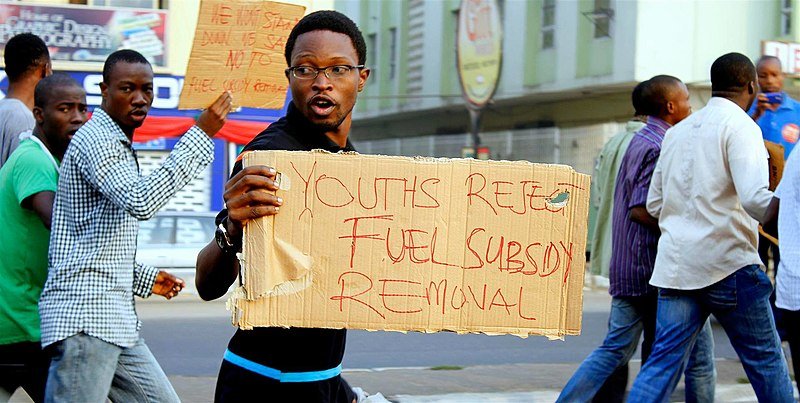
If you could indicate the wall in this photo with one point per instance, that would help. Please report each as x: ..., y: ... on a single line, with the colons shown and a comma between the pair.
x: 683, y: 37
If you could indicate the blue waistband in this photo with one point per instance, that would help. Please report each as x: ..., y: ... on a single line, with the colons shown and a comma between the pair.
x: 311, y: 376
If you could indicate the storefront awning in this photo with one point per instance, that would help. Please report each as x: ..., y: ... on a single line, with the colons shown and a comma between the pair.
x: 236, y: 131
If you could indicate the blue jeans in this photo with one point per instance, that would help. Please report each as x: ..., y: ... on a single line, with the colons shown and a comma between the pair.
x: 740, y: 302
x: 629, y: 316
x: 87, y: 369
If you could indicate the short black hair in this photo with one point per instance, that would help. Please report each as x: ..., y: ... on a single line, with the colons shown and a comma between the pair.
x: 327, y: 20
x: 731, y: 73
x: 656, y: 94
x: 124, y: 55
x: 639, y: 107
x: 46, y: 86
x: 23, y: 53
x: 768, y: 58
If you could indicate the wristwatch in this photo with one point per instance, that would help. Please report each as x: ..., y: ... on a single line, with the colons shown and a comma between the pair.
x: 224, y: 241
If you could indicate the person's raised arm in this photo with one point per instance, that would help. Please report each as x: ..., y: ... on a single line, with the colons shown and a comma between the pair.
x: 109, y: 169
x: 213, y: 118
x: 762, y: 104
x: 249, y: 194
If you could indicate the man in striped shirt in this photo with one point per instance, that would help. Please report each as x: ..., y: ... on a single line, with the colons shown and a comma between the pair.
x: 635, y: 239
x: 89, y: 324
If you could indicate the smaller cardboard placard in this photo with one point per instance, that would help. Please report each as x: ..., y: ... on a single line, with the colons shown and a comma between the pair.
x: 776, y: 162
x: 239, y: 47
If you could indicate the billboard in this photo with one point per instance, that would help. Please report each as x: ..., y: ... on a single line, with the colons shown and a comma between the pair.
x: 88, y: 34
x: 479, y: 49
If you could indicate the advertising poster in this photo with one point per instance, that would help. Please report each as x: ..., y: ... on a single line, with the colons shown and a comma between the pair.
x: 87, y: 34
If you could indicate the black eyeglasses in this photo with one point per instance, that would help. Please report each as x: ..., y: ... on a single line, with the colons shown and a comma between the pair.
x: 332, y: 72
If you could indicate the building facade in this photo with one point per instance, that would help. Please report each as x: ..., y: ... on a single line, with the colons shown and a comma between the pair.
x: 567, y: 70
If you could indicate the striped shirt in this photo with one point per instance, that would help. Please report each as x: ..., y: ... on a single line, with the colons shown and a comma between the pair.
x: 633, y: 246
x: 787, y: 282
x: 100, y: 199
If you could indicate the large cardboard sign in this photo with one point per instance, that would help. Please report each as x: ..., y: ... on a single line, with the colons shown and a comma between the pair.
x: 423, y: 244
x: 238, y: 47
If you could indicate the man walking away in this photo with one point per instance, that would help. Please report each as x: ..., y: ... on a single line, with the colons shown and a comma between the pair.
x: 635, y: 240
x: 709, y: 190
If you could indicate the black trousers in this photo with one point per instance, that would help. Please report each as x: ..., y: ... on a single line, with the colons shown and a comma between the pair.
x: 23, y: 365
x: 236, y: 384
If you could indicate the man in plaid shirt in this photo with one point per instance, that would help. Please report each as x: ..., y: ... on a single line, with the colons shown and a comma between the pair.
x: 89, y: 322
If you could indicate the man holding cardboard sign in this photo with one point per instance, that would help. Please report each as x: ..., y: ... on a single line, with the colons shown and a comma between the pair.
x: 325, y: 53
x: 88, y: 319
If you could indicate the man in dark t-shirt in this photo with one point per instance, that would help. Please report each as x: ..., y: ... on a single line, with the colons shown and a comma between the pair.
x: 325, y: 53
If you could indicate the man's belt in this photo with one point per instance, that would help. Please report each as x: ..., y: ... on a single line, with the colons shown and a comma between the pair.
x: 278, y: 375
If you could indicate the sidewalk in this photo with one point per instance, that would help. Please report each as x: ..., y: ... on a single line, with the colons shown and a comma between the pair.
x: 501, y: 383
x: 496, y: 383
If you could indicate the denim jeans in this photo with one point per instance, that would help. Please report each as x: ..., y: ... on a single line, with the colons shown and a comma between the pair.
x: 629, y: 316
x: 87, y: 369
x: 740, y: 302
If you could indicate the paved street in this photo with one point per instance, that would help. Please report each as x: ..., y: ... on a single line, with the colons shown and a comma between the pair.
x: 188, y: 337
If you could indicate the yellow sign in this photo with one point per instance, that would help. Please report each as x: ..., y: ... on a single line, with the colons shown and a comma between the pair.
x: 479, y: 49
x: 238, y: 47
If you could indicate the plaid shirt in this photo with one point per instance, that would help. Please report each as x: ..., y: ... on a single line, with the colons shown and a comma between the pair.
x: 100, y: 198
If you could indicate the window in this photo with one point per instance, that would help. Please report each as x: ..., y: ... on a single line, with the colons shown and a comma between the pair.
x: 392, y: 53
x: 601, y: 17
x: 548, y: 24
x: 786, y: 17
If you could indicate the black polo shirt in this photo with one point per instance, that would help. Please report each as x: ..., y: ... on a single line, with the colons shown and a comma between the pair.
x: 293, y: 349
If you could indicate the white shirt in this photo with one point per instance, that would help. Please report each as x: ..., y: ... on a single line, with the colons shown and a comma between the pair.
x: 709, y: 187
x: 788, y: 282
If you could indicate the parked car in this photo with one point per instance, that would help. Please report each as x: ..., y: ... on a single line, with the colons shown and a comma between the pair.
x: 171, y: 240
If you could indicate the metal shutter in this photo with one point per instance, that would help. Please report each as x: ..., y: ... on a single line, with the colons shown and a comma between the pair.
x: 195, y: 196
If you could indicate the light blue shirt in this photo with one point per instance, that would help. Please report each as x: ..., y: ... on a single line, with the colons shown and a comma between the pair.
x: 782, y: 125
x: 788, y: 281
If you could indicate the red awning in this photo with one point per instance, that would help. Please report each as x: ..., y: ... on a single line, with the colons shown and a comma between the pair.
x: 237, y: 131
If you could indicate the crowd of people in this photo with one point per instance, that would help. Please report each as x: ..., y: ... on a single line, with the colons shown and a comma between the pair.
x: 678, y: 235
x: 679, y: 198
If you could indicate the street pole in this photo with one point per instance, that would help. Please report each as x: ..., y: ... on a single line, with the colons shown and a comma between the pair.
x: 475, y: 117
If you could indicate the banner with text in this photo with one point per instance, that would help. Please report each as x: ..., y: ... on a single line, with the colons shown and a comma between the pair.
x: 238, y: 47
x: 87, y: 34
x: 397, y: 243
